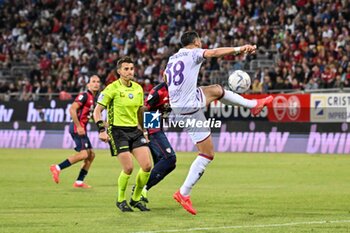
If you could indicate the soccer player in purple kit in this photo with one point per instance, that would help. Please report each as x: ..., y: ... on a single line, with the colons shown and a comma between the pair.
x: 80, y: 111
x: 188, y: 101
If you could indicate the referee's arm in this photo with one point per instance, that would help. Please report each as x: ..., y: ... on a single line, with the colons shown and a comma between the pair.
x: 97, y: 112
x: 140, y: 112
x: 103, y: 136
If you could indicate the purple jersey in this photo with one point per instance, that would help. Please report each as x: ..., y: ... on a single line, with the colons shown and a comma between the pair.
x: 182, y: 74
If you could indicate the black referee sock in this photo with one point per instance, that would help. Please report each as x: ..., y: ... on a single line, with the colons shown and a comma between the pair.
x: 64, y: 164
x: 82, y: 175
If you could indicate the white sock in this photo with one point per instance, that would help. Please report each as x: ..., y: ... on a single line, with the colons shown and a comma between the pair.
x: 58, y: 168
x: 79, y: 182
x: 196, y: 171
x: 231, y: 98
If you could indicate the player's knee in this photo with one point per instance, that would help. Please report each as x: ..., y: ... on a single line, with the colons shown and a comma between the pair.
x: 128, y: 169
x: 209, y: 154
x: 146, y: 166
x: 219, y: 91
x: 84, y: 154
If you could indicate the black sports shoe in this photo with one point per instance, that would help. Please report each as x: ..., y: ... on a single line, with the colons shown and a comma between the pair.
x: 124, y: 207
x: 139, y: 205
x: 143, y: 198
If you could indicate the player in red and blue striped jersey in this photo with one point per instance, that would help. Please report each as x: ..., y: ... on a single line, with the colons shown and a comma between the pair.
x: 80, y: 111
x: 163, y: 154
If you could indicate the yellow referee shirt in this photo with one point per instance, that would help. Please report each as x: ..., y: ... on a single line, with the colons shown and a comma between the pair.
x: 122, y: 103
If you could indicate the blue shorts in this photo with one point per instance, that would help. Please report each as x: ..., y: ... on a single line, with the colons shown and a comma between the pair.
x: 160, y: 146
x: 81, y: 142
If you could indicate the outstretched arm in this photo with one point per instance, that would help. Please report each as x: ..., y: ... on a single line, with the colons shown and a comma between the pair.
x: 219, y: 52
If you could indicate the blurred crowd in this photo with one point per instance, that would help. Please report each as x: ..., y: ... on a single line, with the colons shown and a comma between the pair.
x: 66, y: 41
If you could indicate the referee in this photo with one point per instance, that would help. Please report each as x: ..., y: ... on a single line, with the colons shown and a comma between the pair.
x: 123, y: 99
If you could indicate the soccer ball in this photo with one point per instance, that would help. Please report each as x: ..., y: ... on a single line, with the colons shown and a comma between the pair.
x: 239, y: 81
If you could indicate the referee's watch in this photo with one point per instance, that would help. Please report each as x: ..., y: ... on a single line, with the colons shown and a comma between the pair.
x: 100, y: 126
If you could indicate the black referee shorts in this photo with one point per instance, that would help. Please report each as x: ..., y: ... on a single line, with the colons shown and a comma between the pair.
x: 124, y: 139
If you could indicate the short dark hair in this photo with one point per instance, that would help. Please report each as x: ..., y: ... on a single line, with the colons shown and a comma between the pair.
x: 124, y: 60
x: 90, y: 77
x: 188, y: 38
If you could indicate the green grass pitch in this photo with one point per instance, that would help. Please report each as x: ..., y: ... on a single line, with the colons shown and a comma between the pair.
x: 238, y: 193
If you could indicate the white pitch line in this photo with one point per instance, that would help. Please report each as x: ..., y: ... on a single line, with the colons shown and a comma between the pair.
x: 248, y: 226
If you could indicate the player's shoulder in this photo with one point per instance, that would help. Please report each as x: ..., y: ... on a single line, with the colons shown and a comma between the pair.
x: 136, y: 85
x: 115, y: 84
x: 190, y: 50
x: 188, y: 53
x: 112, y: 86
x: 160, y: 86
x: 197, y: 50
x: 82, y: 96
